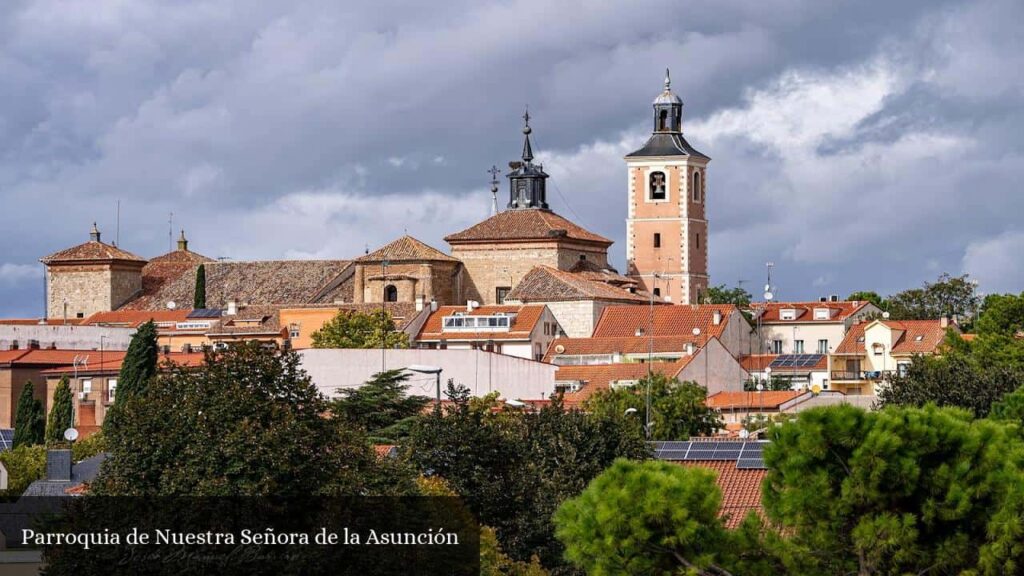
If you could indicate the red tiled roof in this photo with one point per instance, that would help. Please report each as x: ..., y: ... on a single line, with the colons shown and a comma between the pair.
x: 35, y: 322
x: 112, y: 362
x: 770, y: 399
x: 669, y: 320
x: 406, y: 249
x: 169, y: 267
x: 90, y: 251
x: 525, y: 321
x: 619, y: 345
x: 741, y: 488
x: 930, y: 332
x: 38, y: 357
x: 512, y: 225
x: 547, y: 284
x: 805, y: 310
x: 135, y: 318
x: 600, y: 376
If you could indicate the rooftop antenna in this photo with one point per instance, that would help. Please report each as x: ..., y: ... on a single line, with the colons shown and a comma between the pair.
x: 768, y: 287
x: 494, y: 188
x: 170, y: 231
x: 117, y: 227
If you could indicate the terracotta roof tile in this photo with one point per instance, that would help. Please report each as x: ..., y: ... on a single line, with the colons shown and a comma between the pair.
x: 406, y: 248
x: 135, y: 318
x: 770, y: 399
x: 91, y: 251
x: 512, y: 225
x: 547, y: 284
x: 669, y: 320
x: 60, y: 357
x: 112, y: 362
x: 741, y: 488
x: 525, y: 321
x: 264, y: 282
x: 840, y: 311
x: 601, y: 376
x: 619, y: 345
x: 912, y: 337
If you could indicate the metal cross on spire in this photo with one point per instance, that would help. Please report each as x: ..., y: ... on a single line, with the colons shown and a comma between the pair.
x: 527, y: 148
x: 668, y: 79
x: 494, y: 171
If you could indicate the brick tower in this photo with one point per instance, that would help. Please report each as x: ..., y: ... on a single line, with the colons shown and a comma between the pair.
x: 666, y: 227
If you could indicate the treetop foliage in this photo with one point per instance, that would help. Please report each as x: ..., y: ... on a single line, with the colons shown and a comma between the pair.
x: 382, y: 407
x: 351, y: 329
x: 678, y: 409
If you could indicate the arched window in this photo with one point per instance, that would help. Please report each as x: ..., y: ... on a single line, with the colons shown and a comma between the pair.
x: 663, y: 119
x: 658, y: 186
x: 697, y: 192
x: 390, y: 293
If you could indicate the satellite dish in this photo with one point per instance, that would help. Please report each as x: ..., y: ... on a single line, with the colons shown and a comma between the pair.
x: 816, y: 389
x: 71, y: 434
x: 760, y: 387
x: 744, y: 433
x: 696, y: 331
x: 885, y: 314
x: 768, y: 296
x: 171, y: 305
x: 559, y: 349
x: 767, y: 369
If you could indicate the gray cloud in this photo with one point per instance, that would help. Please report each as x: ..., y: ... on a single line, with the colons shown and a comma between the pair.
x: 857, y: 148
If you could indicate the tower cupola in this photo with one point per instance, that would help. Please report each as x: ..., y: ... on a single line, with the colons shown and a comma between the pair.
x: 527, y: 186
x: 668, y: 109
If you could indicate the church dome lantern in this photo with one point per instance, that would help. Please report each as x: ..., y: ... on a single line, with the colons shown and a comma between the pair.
x: 527, y: 181
x: 668, y: 109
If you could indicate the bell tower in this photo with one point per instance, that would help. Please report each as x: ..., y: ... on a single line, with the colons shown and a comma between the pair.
x: 667, y: 227
x: 527, y: 181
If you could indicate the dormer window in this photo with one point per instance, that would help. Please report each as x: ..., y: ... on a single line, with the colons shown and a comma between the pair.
x: 787, y: 314
x: 919, y: 338
x: 822, y: 313
x: 658, y: 186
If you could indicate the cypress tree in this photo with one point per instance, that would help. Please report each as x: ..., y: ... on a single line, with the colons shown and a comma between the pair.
x: 61, y: 415
x: 200, y: 297
x: 29, y: 425
x: 137, y: 369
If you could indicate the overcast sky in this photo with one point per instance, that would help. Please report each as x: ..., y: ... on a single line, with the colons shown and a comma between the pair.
x: 856, y: 146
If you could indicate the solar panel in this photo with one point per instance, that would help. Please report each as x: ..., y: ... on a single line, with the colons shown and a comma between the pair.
x: 750, y: 464
x: 796, y: 360
x: 6, y: 439
x: 675, y: 445
x: 205, y: 313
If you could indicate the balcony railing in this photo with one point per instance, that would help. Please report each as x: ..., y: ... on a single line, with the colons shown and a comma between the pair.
x: 861, y: 374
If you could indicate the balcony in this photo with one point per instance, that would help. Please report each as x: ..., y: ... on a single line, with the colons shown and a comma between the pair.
x: 860, y: 375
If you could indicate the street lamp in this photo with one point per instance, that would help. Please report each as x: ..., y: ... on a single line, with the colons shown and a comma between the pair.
x: 425, y: 369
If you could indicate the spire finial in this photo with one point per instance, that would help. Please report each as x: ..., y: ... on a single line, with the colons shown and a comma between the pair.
x: 182, y: 241
x: 94, y: 234
x: 527, y: 148
x: 494, y: 188
x: 668, y: 80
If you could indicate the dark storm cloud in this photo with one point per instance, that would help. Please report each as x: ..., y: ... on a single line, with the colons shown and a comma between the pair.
x: 858, y: 147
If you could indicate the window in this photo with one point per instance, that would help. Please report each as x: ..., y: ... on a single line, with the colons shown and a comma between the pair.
x: 500, y: 293
x: 698, y: 240
x: 663, y: 120
x: 538, y: 352
x: 390, y: 293
x: 776, y: 346
x: 80, y: 315
x: 657, y: 239
x: 111, y: 389
x: 823, y: 346
x: 87, y: 386
x: 697, y: 192
x: 877, y: 349
x: 293, y: 331
x: 657, y: 291
x: 822, y: 314
x: 658, y: 186
x: 787, y: 314
x: 798, y: 347
x: 902, y: 368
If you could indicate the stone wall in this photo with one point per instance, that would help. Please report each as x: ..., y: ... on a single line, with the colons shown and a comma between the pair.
x: 90, y: 288
x: 577, y: 319
x: 433, y: 280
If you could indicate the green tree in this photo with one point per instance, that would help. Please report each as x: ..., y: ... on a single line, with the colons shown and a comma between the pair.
x: 382, y: 407
x: 29, y: 423
x: 737, y: 296
x: 644, y: 518
x: 898, y: 491
x: 999, y: 330
x: 868, y: 296
x: 25, y: 465
x: 513, y: 468
x: 61, y: 414
x: 678, y: 409
x: 360, y: 330
x: 199, y: 300
x: 953, y: 380
x: 140, y: 363
x: 249, y: 422
x: 494, y: 562
x: 949, y: 296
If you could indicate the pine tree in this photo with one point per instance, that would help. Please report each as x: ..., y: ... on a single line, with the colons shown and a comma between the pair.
x: 29, y: 425
x: 139, y: 364
x: 61, y: 414
x: 200, y: 297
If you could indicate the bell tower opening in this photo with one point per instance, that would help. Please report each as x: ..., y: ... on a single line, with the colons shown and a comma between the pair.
x: 527, y: 181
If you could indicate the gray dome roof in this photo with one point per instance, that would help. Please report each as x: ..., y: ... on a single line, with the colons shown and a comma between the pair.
x: 667, y: 96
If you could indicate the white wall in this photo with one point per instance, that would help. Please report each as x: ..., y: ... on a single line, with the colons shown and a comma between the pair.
x: 66, y: 337
x: 482, y: 372
x: 714, y: 367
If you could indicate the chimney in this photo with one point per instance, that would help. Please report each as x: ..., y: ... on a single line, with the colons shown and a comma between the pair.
x: 944, y: 322
x: 58, y: 465
x: 433, y: 305
x: 419, y: 303
x: 183, y: 242
x: 822, y: 299
x: 689, y: 348
x: 833, y: 298
x: 716, y: 318
x: 232, y: 307
x: 94, y: 235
